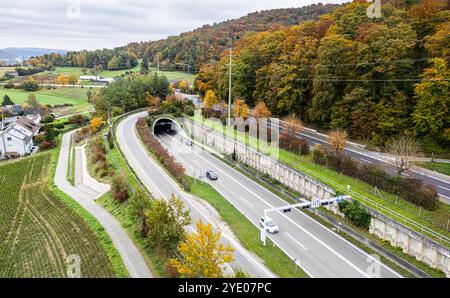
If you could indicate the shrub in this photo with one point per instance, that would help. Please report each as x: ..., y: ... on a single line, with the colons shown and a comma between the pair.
x: 168, y: 161
x: 119, y: 189
x: 356, y: 213
x: 48, y: 118
x: 78, y: 119
x: 45, y: 145
x: 30, y: 84
x: 294, y: 144
x: 412, y: 190
x: 9, y: 85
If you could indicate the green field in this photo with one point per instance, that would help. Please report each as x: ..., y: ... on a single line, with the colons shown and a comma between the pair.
x: 59, y: 96
x: 441, y: 167
x: 38, y: 231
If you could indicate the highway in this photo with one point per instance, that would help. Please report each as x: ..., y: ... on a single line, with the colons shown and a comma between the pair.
x: 161, y: 185
x: 322, y: 253
x: 440, y: 182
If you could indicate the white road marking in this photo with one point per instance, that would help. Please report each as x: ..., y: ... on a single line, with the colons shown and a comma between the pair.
x: 293, y: 222
x: 365, y: 160
x: 306, y: 216
x: 229, y: 238
x: 448, y: 189
x: 293, y: 239
x: 248, y: 203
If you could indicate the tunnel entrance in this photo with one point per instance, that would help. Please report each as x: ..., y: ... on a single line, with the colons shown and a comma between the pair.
x: 165, y: 126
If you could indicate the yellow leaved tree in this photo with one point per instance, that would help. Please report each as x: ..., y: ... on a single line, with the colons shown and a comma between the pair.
x: 203, y: 254
x: 240, y: 109
x: 210, y: 100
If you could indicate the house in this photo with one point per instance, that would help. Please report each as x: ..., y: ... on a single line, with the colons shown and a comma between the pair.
x: 16, y: 135
x: 97, y: 79
x: 11, y: 74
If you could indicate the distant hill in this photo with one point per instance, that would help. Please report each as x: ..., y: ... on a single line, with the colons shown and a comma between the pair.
x: 208, y: 42
x: 14, y: 55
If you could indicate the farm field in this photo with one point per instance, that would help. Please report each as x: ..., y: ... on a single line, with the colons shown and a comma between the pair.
x: 59, y: 96
x: 38, y: 231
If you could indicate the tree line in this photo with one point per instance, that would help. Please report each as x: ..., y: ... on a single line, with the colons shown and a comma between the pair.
x: 374, y: 78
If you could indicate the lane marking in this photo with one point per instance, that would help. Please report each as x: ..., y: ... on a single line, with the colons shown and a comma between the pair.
x: 243, y: 252
x: 293, y: 222
x: 448, y: 189
x: 295, y: 240
x: 248, y: 203
x: 298, y: 211
x: 365, y: 160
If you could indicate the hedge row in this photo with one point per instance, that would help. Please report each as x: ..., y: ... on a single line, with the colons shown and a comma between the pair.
x: 294, y: 144
x: 168, y: 161
x: 412, y: 190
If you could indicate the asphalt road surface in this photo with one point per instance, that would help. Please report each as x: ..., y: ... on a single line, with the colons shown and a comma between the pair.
x: 321, y: 252
x: 163, y: 186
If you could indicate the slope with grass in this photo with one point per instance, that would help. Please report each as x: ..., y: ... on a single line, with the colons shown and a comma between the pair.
x: 38, y: 230
x: 59, y: 96
x: 379, y: 200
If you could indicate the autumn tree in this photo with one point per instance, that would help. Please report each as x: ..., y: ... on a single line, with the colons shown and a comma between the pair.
x: 32, y: 101
x: 166, y: 220
x: 210, y: 100
x: 404, y: 150
x: 62, y: 80
x: 72, y: 80
x: 113, y: 64
x: 96, y: 123
x: 261, y: 112
x: 183, y: 85
x: 432, y: 111
x: 150, y: 99
x: 202, y: 254
x: 337, y: 140
x: 292, y: 124
x: 240, y: 109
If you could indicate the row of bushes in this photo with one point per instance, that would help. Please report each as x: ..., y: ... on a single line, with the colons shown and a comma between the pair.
x: 412, y: 190
x: 294, y: 144
x: 168, y: 161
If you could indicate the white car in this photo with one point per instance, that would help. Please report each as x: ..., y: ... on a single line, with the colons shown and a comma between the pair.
x: 269, y: 225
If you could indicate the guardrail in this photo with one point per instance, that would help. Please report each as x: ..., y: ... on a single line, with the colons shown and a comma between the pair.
x: 366, y: 201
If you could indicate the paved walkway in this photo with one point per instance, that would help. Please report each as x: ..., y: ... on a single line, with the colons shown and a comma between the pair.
x: 133, y: 260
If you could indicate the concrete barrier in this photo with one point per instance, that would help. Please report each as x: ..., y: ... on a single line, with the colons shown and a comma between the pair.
x: 290, y: 177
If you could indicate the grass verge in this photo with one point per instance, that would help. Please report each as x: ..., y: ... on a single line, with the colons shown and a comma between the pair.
x: 440, y: 167
x: 435, y: 220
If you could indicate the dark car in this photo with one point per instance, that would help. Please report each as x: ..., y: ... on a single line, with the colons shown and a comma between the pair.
x: 211, y: 175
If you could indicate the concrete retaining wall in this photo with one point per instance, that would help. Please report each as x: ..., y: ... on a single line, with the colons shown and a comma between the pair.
x: 412, y: 243
x: 291, y: 178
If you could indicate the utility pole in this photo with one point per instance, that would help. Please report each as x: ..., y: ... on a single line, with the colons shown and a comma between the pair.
x: 229, y: 86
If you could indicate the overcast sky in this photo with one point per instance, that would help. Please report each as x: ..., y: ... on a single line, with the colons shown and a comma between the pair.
x: 92, y: 24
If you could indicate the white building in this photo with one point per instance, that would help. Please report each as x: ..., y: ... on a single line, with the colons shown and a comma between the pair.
x: 96, y: 79
x: 16, y: 135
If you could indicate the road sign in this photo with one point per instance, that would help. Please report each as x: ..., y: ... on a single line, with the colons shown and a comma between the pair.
x: 315, y: 203
x: 263, y: 236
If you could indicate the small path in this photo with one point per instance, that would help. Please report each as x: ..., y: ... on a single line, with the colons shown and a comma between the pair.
x: 132, y: 258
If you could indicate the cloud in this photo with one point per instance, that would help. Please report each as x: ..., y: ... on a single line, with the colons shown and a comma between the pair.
x: 92, y: 24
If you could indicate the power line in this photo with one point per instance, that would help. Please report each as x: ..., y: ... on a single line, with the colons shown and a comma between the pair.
x: 375, y: 80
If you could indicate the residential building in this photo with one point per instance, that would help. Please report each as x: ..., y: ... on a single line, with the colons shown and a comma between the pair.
x: 16, y: 135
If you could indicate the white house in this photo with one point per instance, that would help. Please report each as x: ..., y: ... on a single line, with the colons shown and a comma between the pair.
x: 16, y: 135
x: 96, y: 79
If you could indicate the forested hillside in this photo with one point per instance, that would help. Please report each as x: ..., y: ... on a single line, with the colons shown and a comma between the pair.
x: 208, y: 42
x: 375, y: 78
